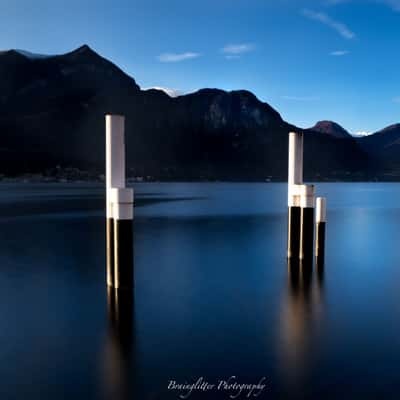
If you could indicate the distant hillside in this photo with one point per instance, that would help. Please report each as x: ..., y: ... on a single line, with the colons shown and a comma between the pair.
x: 384, y: 148
x: 332, y: 129
x: 52, y: 114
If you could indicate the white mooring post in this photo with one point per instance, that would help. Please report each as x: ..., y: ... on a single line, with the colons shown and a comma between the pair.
x: 115, y: 178
x: 295, y: 179
x: 307, y: 204
x: 122, y: 206
x: 295, y: 173
x: 320, y: 227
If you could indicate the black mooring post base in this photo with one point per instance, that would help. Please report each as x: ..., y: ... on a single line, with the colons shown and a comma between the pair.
x: 110, y: 251
x: 294, y: 217
x: 123, y: 254
x: 123, y: 309
x: 307, y: 234
x: 121, y: 317
x: 306, y: 269
x: 320, y: 240
x: 111, y: 304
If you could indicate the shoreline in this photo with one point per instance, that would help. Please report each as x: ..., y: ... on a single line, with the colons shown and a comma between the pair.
x: 24, y: 181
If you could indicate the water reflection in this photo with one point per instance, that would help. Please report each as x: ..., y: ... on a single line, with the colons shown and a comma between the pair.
x: 119, y: 349
x: 302, y: 310
x: 320, y: 269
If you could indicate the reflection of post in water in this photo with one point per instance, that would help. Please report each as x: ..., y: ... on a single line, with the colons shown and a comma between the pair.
x: 307, y: 200
x: 320, y: 269
x: 119, y: 349
x: 121, y: 318
x: 299, y: 315
x: 300, y: 275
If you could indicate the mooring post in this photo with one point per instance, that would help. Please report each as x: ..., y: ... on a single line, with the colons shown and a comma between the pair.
x: 294, y: 216
x: 295, y: 178
x: 122, y: 206
x: 307, y: 202
x: 115, y: 178
x: 320, y: 227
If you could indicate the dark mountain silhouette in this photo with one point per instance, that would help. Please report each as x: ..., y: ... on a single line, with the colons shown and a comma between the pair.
x: 331, y: 128
x: 52, y: 114
x: 384, y: 148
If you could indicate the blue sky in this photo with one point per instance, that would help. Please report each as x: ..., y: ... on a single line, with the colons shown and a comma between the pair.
x: 309, y: 59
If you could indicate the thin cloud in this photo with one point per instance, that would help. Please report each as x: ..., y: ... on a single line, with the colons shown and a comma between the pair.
x: 396, y: 99
x: 234, y: 51
x: 339, y: 53
x: 325, y: 19
x: 394, y: 4
x: 301, y: 98
x: 177, y: 57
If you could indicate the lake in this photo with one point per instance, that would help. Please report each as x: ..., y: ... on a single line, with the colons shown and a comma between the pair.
x: 214, y: 297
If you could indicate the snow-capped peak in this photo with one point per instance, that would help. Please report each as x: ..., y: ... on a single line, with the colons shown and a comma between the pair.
x: 361, y: 134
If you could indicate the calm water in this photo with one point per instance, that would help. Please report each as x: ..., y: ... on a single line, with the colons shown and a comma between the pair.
x: 213, y: 294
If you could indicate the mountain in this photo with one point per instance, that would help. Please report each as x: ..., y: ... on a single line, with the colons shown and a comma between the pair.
x: 331, y: 128
x: 52, y: 114
x: 47, y: 105
x: 32, y: 55
x: 379, y: 143
x: 384, y: 148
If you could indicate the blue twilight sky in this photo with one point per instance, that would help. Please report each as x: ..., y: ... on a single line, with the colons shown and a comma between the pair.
x: 309, y: 59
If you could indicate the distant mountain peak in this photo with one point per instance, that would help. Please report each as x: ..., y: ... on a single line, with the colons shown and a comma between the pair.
x: 168, y: 91
x: 390, y: 128
x: 215, y: 91
x: 32, y: 56
x: 11, y: 53
x: 83, y: 49
x: 236, y: 107
x: 208, y: 91
x: 331, y: 128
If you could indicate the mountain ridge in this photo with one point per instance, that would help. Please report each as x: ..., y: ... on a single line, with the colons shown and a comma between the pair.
x: 331, y: 128
x: 55, y: 106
